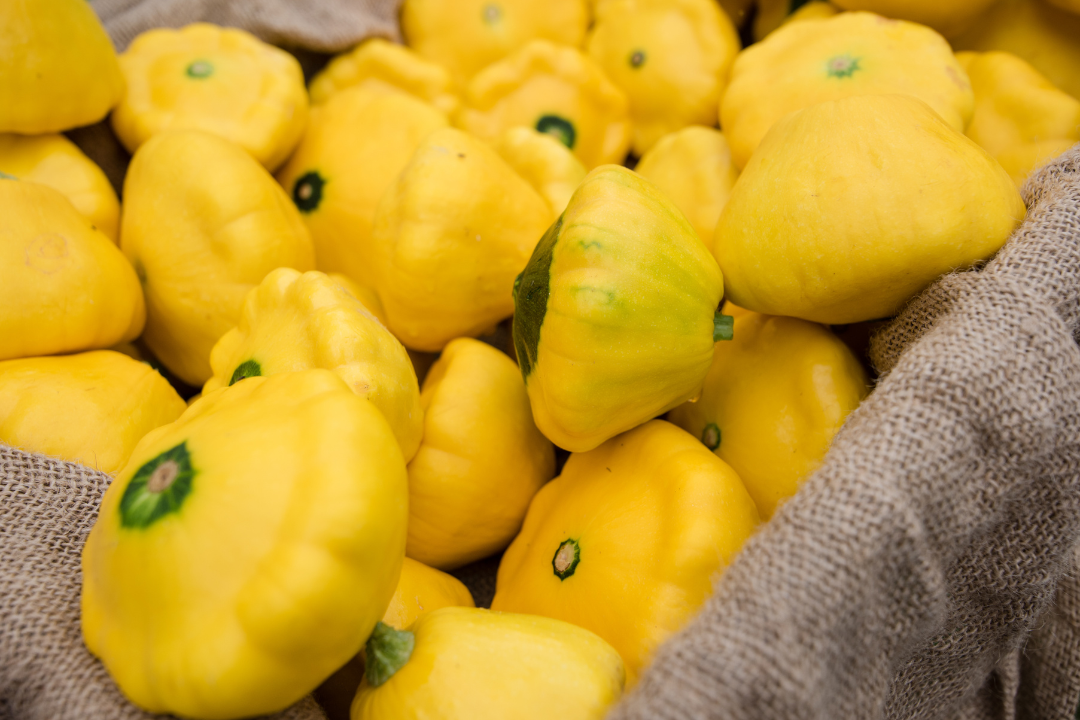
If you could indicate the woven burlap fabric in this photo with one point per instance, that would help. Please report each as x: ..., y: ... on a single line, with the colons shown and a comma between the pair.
x: 47, y: 508
x: 328, y: 26
x: 913, y: 567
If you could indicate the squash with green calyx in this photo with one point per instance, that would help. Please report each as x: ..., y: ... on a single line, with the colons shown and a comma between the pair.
x: 615, y: 314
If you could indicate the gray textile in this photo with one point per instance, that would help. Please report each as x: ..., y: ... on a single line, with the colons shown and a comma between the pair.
x: 328, y: 26
x: 47, y: 508
x: 914, y: 576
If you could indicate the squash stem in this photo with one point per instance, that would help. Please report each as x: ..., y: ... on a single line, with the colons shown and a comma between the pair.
x: 387, y: 651
x: 723, y: 327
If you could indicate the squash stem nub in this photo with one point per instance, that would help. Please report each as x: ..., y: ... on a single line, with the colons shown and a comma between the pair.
x: 387, y: 651
x: 723, y: 327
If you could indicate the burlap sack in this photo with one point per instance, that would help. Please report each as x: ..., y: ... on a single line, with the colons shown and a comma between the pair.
x: 914, y: 576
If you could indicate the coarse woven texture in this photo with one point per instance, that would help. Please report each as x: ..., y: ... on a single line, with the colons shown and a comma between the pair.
x: 47, y: 508
x: 325, y: 26
x: 914, y: 575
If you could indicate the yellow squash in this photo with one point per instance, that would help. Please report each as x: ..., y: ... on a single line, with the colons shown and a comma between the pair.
x: 481, y: 461
x: 773, y: 14
x: 421, y: 590
x: 831, y: 220
x: 949, y: 18
x: 670, y: 57
x: 450, y: 235
x: 58, y: 69
x: 473, y: 664
x: 55, y: 161
x: 547, y: 164
x: 64, y: 286
x: 1020, y: 117
x: 615, y: 313
x: 219, y: 80
x: 628, y: 541
x: 384, y: 67
x: 1043, y: 35
x: 247, y: 550
x: 89, y: 408
x: 203, y: 223
x: 356, y: 145
x: 364, y: 293
x: 293, y: 321
x: 465, y: 36
x: 557, y: 90
x: 693, y: 167
x: 812, y: 61
x: 773, y: 400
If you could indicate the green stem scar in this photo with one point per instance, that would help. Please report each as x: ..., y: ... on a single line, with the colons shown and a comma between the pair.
x: 200, y: 69
x: 307, y: 191
x: 711, y: 436
x: 566, y: 558
x: 5, y: 176
x: 842, y: 66
x: 637, y: 58
x: 246, y: 369
x: 157, y: 489
x: 723, y: 327
x: 561, y: 128
x: 386, y: 652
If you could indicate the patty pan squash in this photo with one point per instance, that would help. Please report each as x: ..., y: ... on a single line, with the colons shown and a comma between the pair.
x: 302, y: 482
x: 670, y: 57
x: 1020, y: 118
x: 693, y: 167
x: 474, y: 664
x: 450, y: 235
x: 55, y: 161
x: 812, y: 61
x: 421, y: 590
x: 297, y: 321
x: 615, y: 313
x: 356, y: 145
x: 90, y: 408
x: 58, y: 69
x: 556, y: 90
x: 203, y: 223
x: 628, y: 540
x: 547, y: 164
x: 831, y: 222
x: 384, y: 67
x: 948, y: 18
x: 481, y: 461
x: 773, y: 400
x: 465, y: 36
x: 64, y: 286
x: 223, y: 81
x: 364, y: 293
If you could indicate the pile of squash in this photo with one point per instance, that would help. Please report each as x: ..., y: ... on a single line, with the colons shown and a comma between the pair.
x: 293, y: 346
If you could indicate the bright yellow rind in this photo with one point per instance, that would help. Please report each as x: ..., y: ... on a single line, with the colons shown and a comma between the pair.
x: 421, y: 590
x: 948, y: 18
x: 547, y: 164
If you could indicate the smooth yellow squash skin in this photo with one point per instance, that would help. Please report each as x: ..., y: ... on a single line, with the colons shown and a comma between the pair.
x: 58, y: 69
x: 383, y: 67
x: 948, y: 18
x: 481, y: 461
x: 773, y: 14
x: 554, y: 89
x: 671, y: 58
x: 64, y: 286
x: 474, y: 664
x: 693, y: 167
x: 628, y: 541
x: 465, y: 36
x: 364, y: 293
x: 297, y: 321
x: 248, y: 549
x: 1020, y: 117
x: 356, y: 145
x: 219, y: 80
x: 1040, y: 33
x: 203, y: 223
x: 831, y: 221
x: 55, y: 161
x: 450, y: 235
x: 614, y: 312
x: 812, y: 61
x: 421, y: 590
x: 773, y: 400
x: 547, y: 164
x: 91, y: 408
